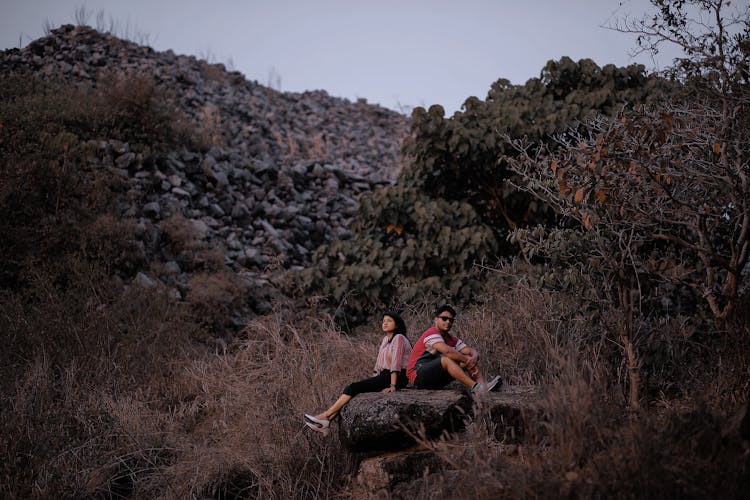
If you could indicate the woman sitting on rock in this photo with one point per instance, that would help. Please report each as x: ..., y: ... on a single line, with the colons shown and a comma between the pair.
x: 390, y: 372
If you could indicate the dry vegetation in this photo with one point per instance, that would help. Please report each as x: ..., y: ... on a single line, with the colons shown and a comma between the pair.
x: 109, y: 390
x: 585, y: 441
x: 126, y: 407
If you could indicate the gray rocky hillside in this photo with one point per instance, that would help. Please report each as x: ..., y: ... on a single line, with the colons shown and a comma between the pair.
x: 279, y: 174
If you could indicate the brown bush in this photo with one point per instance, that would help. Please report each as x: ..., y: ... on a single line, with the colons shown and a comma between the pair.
x: 214, y: 296
x: 581, y: 440
x: 67, y: 348
x: 231, y: 424
x: 181, y: 233
x: 132, y: 107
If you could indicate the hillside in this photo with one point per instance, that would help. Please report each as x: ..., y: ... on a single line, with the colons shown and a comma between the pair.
x: 156, y: 210
x: 275, y: 174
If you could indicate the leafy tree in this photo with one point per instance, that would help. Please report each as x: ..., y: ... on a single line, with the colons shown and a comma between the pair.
x: 662, y: 192
x: 453, y: 204
x: 465, y: 157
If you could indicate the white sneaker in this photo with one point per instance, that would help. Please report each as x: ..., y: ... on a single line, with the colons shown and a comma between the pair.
x: 494, y: 384
x: 317, y: 428
x: 317, y: 421
x: 486, y: 387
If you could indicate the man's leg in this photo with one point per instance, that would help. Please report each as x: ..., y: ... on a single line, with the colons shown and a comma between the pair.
x: 456, y: 371
x: 432, y: 375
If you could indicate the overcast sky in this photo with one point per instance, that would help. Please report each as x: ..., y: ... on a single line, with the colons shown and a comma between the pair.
x: 397, y: 53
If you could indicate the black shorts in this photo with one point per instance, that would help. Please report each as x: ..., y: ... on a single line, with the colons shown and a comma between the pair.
x: 432, y: 375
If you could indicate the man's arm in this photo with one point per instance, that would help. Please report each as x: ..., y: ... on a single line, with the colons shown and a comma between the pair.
x: 452, y: 353
x: 473, y: 357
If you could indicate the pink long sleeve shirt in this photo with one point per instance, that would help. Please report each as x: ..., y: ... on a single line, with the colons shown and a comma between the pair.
x: 393, y: 355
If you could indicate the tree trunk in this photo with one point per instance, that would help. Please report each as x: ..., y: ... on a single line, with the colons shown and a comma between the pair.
x: 626, y: 338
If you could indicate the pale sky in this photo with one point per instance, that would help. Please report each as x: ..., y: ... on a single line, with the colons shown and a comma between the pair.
x: 398, y: 54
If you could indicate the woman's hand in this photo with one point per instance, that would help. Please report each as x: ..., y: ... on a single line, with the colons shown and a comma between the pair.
x: 389, y: 389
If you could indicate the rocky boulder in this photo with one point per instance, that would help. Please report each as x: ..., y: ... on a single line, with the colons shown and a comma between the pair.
x: 375, y: 422
x: 378, y: 422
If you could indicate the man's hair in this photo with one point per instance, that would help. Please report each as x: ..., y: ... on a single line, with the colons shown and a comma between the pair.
x: 445, y: 308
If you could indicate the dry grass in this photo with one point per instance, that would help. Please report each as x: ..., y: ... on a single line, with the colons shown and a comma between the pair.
x: 211, y: 126
x: 106, y: 391
x: 180, y: 233
x: 228, y: 425
x: 313, y: 147
x: 581, y: 440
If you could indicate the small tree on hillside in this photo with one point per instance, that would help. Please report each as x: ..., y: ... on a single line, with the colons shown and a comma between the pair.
x: 665, y: 189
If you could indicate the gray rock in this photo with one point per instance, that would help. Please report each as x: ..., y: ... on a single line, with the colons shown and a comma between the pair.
x: 172, y: 267
x: 379, y: 422
x: 384, y: 472
x: 125, y: 160
x: 233, y: 242
x: 506, y: 409
x: 152, y: 209
x: 216, y: 210
x: 144, y: 281
x: 180, y: 192
x: 254, y: 257
x: 201, y: 227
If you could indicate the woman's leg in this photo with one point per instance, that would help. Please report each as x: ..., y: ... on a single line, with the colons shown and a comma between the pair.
x: 372, y: 384
x: 331, y: 412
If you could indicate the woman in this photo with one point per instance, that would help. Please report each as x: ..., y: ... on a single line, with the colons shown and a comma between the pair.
x: 390, y: 370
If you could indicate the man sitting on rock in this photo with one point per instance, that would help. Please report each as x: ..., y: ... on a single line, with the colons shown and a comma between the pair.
x: 439, y: 358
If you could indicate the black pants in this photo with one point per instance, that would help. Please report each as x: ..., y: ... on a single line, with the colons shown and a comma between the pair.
x: 377, y: 383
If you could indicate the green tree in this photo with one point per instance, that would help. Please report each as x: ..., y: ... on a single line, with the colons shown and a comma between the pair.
x: 453, y: 204
x: 661, y: 193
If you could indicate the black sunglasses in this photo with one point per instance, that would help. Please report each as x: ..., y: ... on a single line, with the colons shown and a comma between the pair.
x: 447, y: 318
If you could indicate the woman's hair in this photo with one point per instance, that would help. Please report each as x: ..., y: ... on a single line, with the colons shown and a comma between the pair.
x: 400, y: 324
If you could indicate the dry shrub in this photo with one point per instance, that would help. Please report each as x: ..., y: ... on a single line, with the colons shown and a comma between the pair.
x: 67, y: 346
x: 216, y: 72
x: 213, y: 296
x: 317, y: 147
x: 232, y: 423
x: 113, y: 242
x: 210, y: 126
x: 580, y: 439
x: 181, y: 233
x: 132, y: 106
x: 40, y: 117
x: 522, y: 332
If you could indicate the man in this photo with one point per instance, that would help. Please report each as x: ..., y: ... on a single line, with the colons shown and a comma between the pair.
x: 439, y: 358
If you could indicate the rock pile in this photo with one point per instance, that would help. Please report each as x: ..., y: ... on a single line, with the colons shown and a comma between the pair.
x: 281, y: 178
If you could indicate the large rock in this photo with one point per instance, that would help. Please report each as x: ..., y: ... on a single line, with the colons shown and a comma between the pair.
x: 384, y: 472
x: 378, y: 422
x: 506, y: 409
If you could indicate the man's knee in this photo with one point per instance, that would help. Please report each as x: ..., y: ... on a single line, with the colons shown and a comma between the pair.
x: 447, y: 362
